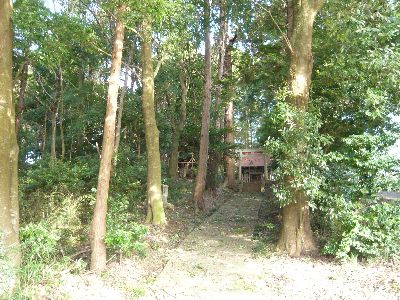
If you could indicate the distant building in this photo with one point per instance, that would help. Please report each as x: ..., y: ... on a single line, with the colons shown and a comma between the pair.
x: 253, y: 170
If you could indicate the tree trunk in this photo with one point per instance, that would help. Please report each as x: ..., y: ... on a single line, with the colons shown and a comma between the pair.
x: 229, y: 139
x: 21, y: 96
x: 9, y: 212
x: 98, y: 226
x: 222, y: 39
x: 176, y: 135
x: 205, y: 120
x: 296, y: 236
x: 62, y: 114
x: 155, y: 209
x: 121, y: 105
x: 215, y: 156
x: 44, y: 132
x: 54, y: 109
x: 229, y: 136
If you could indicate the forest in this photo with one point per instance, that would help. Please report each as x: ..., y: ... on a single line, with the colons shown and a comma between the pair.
x: 122, y: 125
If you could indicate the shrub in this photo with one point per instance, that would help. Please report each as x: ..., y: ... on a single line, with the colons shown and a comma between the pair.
x: 127, y: 239
x: 79, y: 175
x: 124, y: 235
x: 38, y: 242
x: 367, y: 232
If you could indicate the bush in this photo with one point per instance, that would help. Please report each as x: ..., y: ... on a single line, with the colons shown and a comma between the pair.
x: 127, y: 239
x: 124, y: 235
x: 39, y: 243
x: 366, y: 232
x: 79, y: 175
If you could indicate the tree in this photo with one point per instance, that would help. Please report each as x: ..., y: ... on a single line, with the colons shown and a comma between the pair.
x: 121, y: 103
x: 9, y: 211
x: 177, y: 130
x: 98, y: 225
x: 155, y: 209
x: 205, y: 120
x: 229, y: 117
x: 296, y: 236
x: 215, y: 155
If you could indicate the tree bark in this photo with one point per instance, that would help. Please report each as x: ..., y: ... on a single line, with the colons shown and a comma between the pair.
x: 229, y: 119
x: 121, y: 106
x: 62, y: 114
x: 214, y: 156
x: 155, y: 209
x: 296, y: 237
x: 54, y: 110
x: 44, y: 132
x: 9, y: 212
x: 21, y: 96
x: 205, y: 120
x: 222, y: 39
x: 98, y: 225
x: 176, y: 135
x: 229, y: 139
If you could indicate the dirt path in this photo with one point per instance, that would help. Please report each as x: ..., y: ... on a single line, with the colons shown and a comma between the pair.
x: 217, y: 261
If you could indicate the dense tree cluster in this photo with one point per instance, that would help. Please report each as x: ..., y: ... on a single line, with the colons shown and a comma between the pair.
x: 105, y: 99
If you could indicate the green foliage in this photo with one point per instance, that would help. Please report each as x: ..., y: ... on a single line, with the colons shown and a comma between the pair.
x: 341, y: 180
x: 124, y: 235
x: 371, y: 231
x: 39, y: 242
x: 126, y: 238
x: 79, y: 175
x: 291, y: 136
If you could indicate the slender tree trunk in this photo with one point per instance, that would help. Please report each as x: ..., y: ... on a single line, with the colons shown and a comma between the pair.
x: 21, y: 96
x: 61, y: 117
x: 222, y: 39
x: 9, y: 212
x: 44, y: 132
x: 53, y: 154
x: 155, y: 209
x: 98, y: 226
x: 228, y: 120
x: 81, y: 76
x: 205, y: 120
x: 176, y: 135
x: 121, y: 106
x: 296, y: 236
x: 229, y: 139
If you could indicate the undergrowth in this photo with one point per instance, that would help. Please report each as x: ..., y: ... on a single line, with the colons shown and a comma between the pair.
x: 57, y: 202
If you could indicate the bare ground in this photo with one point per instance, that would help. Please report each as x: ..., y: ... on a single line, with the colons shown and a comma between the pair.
x: 200, y: 257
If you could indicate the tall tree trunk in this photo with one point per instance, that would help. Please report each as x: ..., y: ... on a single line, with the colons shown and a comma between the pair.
x: 121, y: 105
x: 54, y: 112
x: 98, y: 226
x: 229, y: 139
x: 214, y: 156
x: 62, y: 114
x: 222, y: 41
x: 9, y: 212
x: 155, y: 209
x: 228, y: 120
x: 54, y: 109
x: 296, y: 236
x: 44, y: 132
x: 176, y: 135
x: 21, y: 96
x: 205, y: 120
